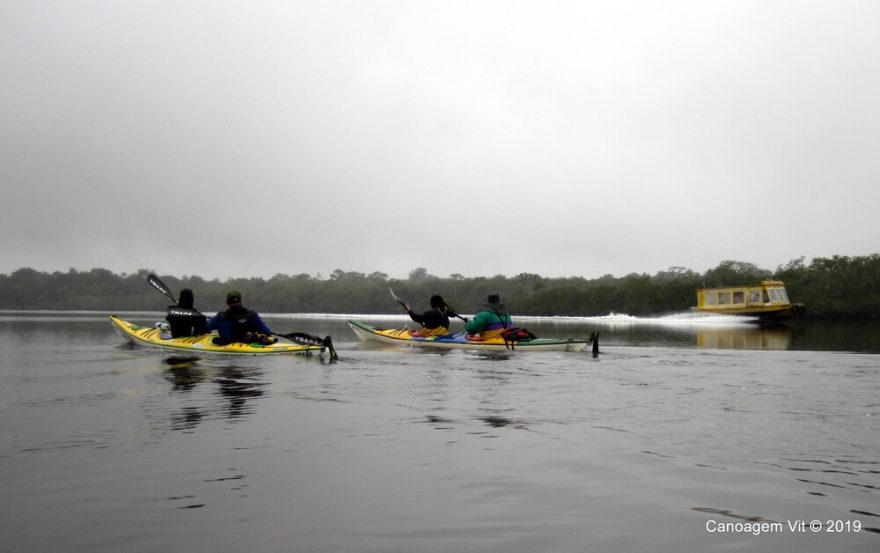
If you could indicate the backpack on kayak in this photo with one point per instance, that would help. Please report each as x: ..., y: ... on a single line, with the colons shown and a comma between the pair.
x: 513, y: 335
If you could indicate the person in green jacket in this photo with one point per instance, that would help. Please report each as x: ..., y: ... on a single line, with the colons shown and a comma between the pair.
x: 491, y: 321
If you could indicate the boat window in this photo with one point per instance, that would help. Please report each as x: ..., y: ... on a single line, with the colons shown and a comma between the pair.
x: 755, y: 296
x: 778, y: 294
x: 739, y: 296
x: 723, y: 298
x: 708, y: 298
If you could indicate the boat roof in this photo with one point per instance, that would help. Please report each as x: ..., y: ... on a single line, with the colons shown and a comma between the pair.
x: 763, y: 283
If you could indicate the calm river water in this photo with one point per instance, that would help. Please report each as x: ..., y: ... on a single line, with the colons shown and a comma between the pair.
x: 684, y: 434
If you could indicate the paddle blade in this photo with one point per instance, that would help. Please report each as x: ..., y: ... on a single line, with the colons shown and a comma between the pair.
x: 398, y: 300
x: 302, y: 338
x: 309, y: 340
x: 157, y: 283
x: 328, y: 344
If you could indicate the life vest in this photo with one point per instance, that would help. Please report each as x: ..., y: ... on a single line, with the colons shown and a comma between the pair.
x: 489, y: 334
x: 242, y: 321
x: 491, y: 330
x: 425, y: 331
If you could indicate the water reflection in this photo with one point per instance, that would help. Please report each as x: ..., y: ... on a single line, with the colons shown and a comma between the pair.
x: 496, y: 421
x: 492, y: 355
x: 237, y: 386
x: 184, y: 373
x: 187, y: 419
x: 758, y: 337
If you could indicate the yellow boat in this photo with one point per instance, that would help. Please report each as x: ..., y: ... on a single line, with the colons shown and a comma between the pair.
x: 459, y: 340
x: 153, y: 336
x: 767, y: 300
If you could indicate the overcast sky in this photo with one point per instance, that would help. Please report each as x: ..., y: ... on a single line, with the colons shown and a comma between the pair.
x: 221, y: 138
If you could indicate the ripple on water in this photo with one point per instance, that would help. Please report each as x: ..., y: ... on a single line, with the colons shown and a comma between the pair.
x: 426, y: 451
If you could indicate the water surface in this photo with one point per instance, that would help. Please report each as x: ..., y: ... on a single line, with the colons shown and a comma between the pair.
x: 675, y: 429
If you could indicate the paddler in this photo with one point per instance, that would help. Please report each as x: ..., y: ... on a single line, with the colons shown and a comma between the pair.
x: 491, y: 321
x: 184, y: 319
x: 240, y: 324
x: 435, y: 322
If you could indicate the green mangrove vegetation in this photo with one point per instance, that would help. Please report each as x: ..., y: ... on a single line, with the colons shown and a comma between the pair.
x: 836, y: 287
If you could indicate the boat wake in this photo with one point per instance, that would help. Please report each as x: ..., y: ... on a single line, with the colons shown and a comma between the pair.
x: 684, y: 318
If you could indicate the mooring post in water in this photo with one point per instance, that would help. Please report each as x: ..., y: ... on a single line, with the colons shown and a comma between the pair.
x: 594, y: 339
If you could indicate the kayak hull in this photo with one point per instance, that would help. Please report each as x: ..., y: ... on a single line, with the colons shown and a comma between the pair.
x: 152, y: 337
x: 404, y: 337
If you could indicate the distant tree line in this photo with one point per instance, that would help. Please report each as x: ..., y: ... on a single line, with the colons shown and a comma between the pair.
x: 835, y: 287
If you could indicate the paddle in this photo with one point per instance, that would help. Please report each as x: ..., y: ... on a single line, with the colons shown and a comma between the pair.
x: 454, y: 314
x: 157, y: 283
x: 398, y: 300
x: 309, y: 340
x: 403, y: 304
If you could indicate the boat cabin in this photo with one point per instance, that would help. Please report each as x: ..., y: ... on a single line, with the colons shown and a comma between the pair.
x: 766, y: 300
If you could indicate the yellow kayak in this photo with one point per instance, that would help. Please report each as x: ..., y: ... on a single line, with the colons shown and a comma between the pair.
x: 459, y: 340
x: 153, y: 336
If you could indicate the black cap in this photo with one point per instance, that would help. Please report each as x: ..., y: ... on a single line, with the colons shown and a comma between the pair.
x: 233, y: 296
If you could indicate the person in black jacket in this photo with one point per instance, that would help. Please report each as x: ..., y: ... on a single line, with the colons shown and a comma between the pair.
x: 435, y: 322
x: 184, y: 319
